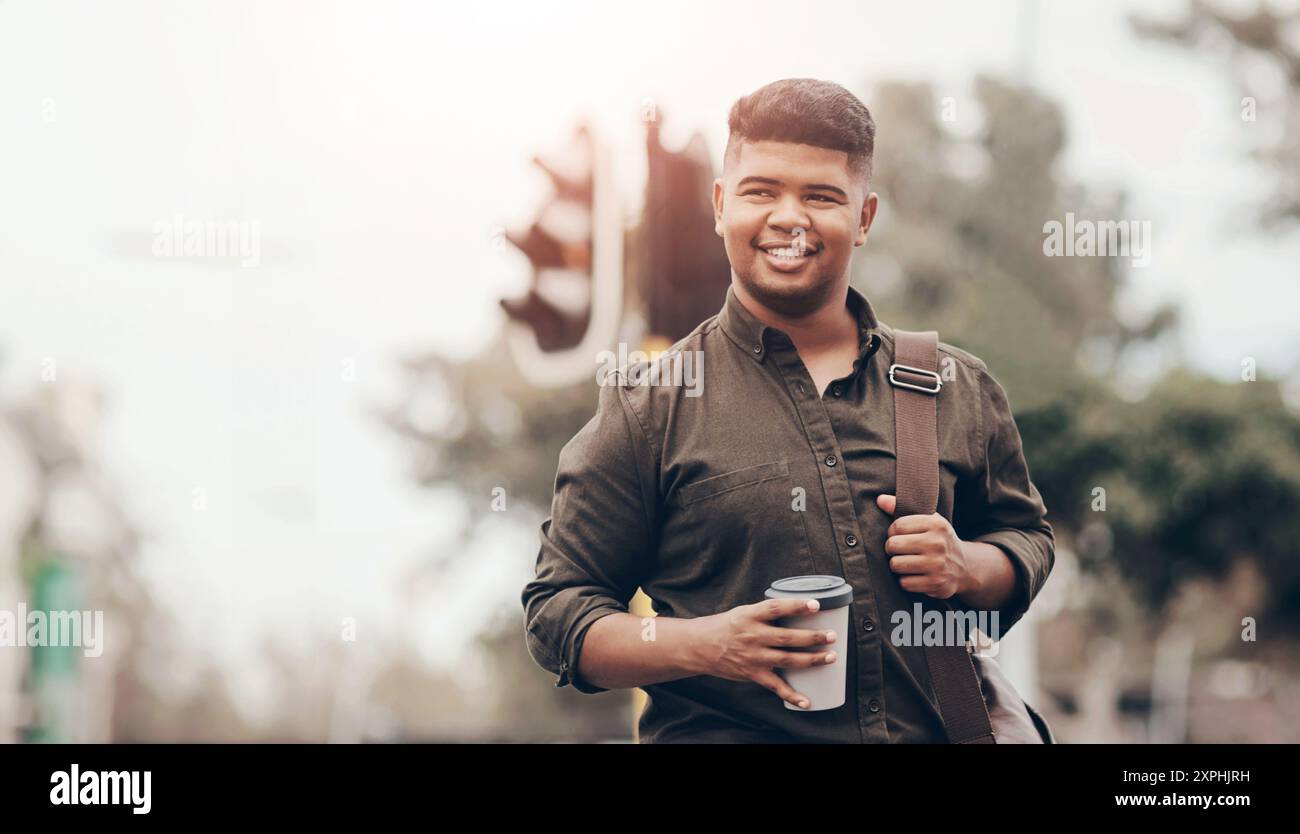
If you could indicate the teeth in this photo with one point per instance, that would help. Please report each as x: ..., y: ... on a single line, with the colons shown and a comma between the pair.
x: 786, y: 253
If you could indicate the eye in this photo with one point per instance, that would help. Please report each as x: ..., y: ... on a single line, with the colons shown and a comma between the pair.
x: 823, y: 197
x: 756, y: 191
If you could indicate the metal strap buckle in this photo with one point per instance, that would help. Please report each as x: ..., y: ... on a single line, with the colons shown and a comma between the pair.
x: 938, y: 383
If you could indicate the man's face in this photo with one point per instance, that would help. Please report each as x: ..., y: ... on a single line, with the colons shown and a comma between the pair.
x: 790, y: 216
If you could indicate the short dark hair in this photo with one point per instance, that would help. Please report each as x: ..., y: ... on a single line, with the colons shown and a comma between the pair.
x: 808, y: 112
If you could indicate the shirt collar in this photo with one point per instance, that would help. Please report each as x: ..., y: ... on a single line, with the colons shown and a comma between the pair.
x: 754, y: 337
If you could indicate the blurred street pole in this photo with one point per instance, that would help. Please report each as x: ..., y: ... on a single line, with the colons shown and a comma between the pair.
x: 1170, y: 684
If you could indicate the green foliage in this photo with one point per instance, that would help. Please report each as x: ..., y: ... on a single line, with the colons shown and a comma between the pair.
x: 1196, y: 475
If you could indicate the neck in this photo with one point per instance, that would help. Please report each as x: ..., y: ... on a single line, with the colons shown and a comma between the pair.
x: 828, y: 324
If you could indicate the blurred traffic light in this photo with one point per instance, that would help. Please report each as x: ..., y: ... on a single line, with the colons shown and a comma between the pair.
x: 560, y: 244
x: 575, y: 246
x: 680, y: 263
x: 573, y: 308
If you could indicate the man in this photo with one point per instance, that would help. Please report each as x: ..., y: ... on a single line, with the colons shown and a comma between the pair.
x: 782, y: 465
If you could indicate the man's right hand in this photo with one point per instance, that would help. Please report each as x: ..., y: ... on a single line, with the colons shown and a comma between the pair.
x: 743, y: 644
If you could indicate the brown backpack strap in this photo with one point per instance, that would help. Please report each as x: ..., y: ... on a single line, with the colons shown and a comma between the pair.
x: 916, y: 382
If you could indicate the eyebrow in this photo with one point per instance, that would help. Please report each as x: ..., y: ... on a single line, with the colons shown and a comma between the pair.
x: 816, y: 186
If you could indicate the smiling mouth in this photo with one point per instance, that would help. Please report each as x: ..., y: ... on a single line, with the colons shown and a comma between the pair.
x: 788, y: 257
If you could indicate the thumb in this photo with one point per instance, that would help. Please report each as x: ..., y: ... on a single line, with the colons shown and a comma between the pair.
x: 887, y: 502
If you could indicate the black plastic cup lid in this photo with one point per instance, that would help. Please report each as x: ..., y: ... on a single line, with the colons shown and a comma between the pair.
x: 829, y: 591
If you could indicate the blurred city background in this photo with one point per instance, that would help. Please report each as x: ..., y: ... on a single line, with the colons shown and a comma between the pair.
x: 303, y: 481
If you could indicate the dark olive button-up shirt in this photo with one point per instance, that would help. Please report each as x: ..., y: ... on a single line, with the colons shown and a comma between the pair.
x: 703, y: 494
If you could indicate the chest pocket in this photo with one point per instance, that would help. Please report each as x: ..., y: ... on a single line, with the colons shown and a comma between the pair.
x: 737, y: 532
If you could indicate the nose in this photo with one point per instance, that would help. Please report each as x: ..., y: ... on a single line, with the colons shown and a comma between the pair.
x: 788, y: 213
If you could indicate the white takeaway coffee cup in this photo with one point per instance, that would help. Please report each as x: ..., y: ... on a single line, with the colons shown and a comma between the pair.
x: 824, y: 686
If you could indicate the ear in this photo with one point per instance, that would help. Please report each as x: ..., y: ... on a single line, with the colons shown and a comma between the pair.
x: 869, y: 206
x: 719, y: 189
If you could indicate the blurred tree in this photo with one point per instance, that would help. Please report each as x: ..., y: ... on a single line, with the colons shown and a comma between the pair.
x: 966, y: 187
x: 1262, y: 37
x: 1197, y: 476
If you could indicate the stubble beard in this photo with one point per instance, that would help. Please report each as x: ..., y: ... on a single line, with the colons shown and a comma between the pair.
x: 785, y: 296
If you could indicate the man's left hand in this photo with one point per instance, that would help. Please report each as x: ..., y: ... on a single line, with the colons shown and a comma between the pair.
x: 926, y: 553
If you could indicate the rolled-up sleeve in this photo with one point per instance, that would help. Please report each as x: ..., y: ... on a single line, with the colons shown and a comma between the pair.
x: 596, y: 544
x: 1012, y: 515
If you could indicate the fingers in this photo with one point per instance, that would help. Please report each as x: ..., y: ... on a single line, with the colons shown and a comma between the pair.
x: 912, y: 564
x: 916, y: 584
x: 908, y: 523
x: 778, y: 659
x: 914, y: 524
x: 928, y: 585
x: 773, y: 609
x: 792, y: 637
x: 777, y: 684
x: 922, y: 575
x: 915, y: 544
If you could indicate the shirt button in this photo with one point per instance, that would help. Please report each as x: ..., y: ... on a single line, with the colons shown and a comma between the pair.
x: 867, y: 625
x: 798, y: 386
x: 874, y: 706
x: 758, y: 348
x: 851, y: 540
x: 830, y: 460
x: 837, y: 390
